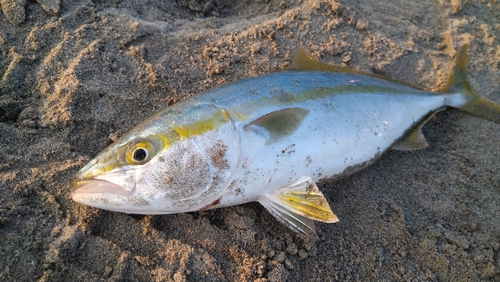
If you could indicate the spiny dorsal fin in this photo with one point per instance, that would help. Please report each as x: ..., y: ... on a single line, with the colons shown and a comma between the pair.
x: 279, y: 124
x: 298, y: 204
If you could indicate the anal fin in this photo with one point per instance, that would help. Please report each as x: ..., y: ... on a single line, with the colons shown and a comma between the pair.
x: 414, y: 139
x: 298, y: 204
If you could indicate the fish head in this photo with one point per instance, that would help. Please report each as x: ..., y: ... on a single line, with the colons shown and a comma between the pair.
x: 146, y: 175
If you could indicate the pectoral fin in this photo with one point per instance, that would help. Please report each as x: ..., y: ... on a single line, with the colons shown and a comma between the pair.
x: 278, y: 124
x: 298, y: 204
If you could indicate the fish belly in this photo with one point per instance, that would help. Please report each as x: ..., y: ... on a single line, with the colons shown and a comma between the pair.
x: 340, y: 135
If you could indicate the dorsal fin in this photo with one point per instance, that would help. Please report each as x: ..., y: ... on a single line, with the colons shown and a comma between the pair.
x: 302, y: 60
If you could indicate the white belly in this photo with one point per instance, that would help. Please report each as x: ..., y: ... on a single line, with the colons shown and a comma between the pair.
x: 339, y: 135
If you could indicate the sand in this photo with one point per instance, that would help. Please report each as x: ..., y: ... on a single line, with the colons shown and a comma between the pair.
x: 77, y: 75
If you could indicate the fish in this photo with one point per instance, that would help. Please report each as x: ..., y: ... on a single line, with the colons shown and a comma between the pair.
x: 269, y: 139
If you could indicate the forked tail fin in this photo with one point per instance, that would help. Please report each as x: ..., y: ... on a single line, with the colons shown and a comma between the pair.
x: 462, y: 97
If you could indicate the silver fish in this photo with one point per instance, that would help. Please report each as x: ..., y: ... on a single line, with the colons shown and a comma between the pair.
x: 269, y: 139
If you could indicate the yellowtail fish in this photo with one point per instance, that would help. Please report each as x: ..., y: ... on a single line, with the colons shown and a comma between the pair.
x: 269, y: 139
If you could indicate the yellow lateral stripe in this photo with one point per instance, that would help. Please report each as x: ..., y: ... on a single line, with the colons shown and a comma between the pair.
x: 214, y: 121
x: 236, y: 115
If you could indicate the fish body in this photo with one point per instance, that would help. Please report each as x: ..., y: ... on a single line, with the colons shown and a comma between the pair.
x: 268, y: 139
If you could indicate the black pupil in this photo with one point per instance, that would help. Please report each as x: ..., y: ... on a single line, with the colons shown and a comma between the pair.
x: 139, y: 155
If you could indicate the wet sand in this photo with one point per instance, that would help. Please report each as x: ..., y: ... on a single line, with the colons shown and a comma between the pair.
x: 76, y: 76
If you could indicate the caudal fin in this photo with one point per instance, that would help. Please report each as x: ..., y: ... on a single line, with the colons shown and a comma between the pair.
x: 463, y: 98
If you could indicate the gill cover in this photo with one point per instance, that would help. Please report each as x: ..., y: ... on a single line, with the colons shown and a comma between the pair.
x: 197, y: 168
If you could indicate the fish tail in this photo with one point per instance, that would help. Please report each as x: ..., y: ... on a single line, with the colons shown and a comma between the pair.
x: 462, y: 97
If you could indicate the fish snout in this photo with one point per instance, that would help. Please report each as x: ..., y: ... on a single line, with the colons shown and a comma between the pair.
x: 81, y: 189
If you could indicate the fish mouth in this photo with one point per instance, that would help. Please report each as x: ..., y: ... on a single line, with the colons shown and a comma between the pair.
x: 81, y: 188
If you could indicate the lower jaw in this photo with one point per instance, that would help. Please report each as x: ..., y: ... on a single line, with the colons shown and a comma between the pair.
x: 83, y: 187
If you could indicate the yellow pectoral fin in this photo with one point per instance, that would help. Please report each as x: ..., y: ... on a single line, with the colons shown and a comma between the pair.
x: 297, y: 204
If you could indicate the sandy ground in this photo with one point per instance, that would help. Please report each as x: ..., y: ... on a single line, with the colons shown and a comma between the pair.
x: 75, y: 76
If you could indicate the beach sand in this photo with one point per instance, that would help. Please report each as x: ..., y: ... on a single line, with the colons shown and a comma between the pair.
x: 77, y: 75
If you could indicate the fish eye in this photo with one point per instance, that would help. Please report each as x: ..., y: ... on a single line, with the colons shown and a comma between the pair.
x: 139, y: 152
